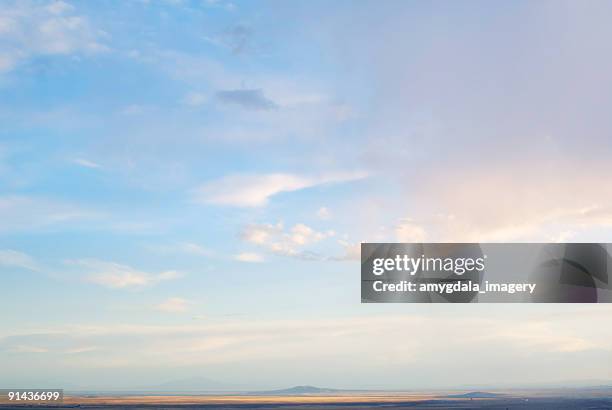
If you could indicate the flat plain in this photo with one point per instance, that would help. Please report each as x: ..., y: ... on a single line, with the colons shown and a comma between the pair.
x: 559, y: 399
x: 531, y: 399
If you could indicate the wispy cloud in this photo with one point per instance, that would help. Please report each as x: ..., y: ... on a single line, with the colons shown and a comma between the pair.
x: 249, y: 257
x: 27, y: 349
x: 81, y: 349
x: 188, y: 248
x: 86, y: 163
x: 256, y: 190
x: 195, y: 99
x: 194, y: 249
x: 15, y: 259
x: 173, y: 305
x: 530, y: 338
x: 31, y: 29
x: 238, y: 39
x: 21, y: 212
x: 118, y: 276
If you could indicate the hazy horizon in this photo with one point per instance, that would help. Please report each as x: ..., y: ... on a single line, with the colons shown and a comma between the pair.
x: 184, y: 185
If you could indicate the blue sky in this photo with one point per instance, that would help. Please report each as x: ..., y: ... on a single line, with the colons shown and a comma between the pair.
x: 184, y: 185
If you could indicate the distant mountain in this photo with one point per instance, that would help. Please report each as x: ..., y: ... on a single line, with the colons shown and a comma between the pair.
x: 296, y: 391
x: 475, y: 395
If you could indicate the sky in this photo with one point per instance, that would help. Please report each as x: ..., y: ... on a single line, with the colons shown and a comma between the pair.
x: 184, y: 185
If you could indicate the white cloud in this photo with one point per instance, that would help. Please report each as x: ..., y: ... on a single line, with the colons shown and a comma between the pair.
x: 408, y: 231
x: 86, y: 163
x: 324, y: 213
x: 249, y: 257
x: 291, y: 242
x: 352, y: 251
x: 195, y: 99
x: 188, y: 248
x: 303, y: 235
x: 260, y: 234
x: 58, y: 7
x: 11, y: 258
x: 114, y: 275
x: 33, y: 29
x: 173, y: 305
x: 256, y: 190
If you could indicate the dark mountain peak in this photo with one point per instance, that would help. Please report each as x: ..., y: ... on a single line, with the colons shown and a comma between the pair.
x: 475, y: 395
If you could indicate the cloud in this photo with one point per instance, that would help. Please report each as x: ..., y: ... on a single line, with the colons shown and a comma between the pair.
x: 261, y: 234
x: 27, y: 349
x: 173, y: 305
x: 249, y: 99
x: 249, y: 257
x: 551, y: 346
x: 86, y: 163
x: 188, y: 248
x: 81, y: 349
x: 29, y: 30
x: 291, y: 242
x: 324, y: 213
x: 225, y: 5
x: 195, y: 99
x: 117, y: 276
x: 255, y: 190
x: 303, y: 235
x: 352, y: 251
x: 237, y: 39
x: 512, y: 201
x: 408, y: 231
x: 47, y: 343
x: 16, y: 259
x: 22, y: 213
x: 193, y: 249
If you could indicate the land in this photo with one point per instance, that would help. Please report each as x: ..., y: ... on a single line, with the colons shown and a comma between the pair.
x: 311, y: 398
